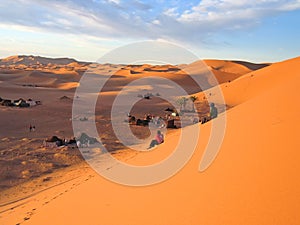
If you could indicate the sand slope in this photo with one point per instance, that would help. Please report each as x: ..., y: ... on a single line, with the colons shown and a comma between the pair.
x: 223, y: 71
x: 256, y: 82
x: 254, y: 179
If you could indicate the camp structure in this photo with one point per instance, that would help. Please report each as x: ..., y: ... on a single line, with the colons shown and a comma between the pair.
x: 21, y: 103
x: 171, y: 123
x: 169, y: 110
x: 31, y: 102
x: 85, y: 139
x: 53, y: 141
x: 7, y: 102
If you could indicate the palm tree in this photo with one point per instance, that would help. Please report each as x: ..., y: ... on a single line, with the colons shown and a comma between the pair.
x: 193, y: 98
x: 182, y: 102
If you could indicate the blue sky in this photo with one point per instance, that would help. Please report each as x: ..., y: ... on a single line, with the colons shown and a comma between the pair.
x: 258, y: 31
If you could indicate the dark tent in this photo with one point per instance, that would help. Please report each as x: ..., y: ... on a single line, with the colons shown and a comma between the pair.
x: 140, y: 122
x: 171, y: 124
x: 53, y: 139
x: 58, y: 141
x: 169, y: 110
x: 7, y: 102
x: 23, y: 104
x: 84, y: 139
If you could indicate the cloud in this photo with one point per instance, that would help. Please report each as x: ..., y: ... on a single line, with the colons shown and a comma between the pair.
x: 135, y: 19
x: 114, y: 1
x: 212, y: 17
x: 172, y: 12
x: 238, y: 10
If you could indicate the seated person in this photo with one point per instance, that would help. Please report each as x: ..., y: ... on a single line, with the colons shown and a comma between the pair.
x: 159, y: 138
x: 213, y: 111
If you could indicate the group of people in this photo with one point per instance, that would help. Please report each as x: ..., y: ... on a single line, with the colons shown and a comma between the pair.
x: 148, y: 118
x: 159, y: 137
x: 157, y: 121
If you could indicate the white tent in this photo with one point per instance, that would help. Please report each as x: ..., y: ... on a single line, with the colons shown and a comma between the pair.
x: 31, y: 103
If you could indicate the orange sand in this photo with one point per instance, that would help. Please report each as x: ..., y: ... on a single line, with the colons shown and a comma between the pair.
x: 254, y: 179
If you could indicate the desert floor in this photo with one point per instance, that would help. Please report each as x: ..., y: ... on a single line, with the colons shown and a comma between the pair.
x: 253, y: 179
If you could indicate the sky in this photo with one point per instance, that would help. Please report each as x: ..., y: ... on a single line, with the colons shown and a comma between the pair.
x: 256, y: 31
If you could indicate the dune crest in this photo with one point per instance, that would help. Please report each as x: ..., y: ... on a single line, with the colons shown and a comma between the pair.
x: 256, y: 82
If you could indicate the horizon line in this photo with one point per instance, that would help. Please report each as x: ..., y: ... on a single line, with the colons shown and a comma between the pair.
x: 88, y: 61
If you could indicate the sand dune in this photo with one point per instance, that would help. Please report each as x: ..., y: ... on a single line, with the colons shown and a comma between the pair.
x: 42, y: 79
x: 257, y: 82
x: 252, y: 66
x: 41, y: 71
x: 69, y: 85
x: 54, y: 73
x: 253, y: 180
x: 234, y: 67
x: 223, y: 71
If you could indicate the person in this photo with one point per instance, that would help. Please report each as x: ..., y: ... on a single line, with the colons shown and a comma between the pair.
x: 148, y: 117
x: 72, y: 141
x: 78, y: 143
x: 131, y: 119
x: 195, y: 120
x: 30, y: 128
x: 159, y: 139
x: 66, y: 141
x: 160, y: 122
x: 213, y: 111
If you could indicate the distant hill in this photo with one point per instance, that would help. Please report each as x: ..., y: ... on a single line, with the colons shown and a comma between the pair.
x: 36, y: 60
x: 15, y: 64
x: 224, y: 70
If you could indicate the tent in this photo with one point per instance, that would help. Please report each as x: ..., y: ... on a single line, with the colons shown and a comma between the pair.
x: 171, y: 124
x: 84, y: 139
x: 31, y: 103
x: 7, y: 102
x: 169, y: 110
x: 21, y: 103
x: 53, y: 139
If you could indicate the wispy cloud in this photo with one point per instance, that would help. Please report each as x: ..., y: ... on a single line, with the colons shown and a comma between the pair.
x: 236, y: 10
x: 137, y: 19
